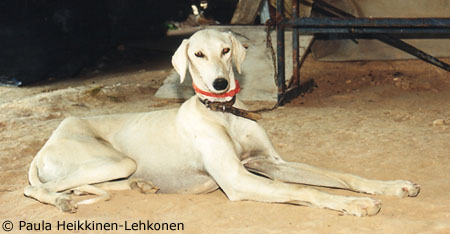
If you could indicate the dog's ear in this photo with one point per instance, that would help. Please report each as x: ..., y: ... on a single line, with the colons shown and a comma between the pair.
x: 180, y: 59
x: 238, y: 52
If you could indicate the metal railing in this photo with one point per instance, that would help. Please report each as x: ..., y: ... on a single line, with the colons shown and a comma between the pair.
x: 386, y: 30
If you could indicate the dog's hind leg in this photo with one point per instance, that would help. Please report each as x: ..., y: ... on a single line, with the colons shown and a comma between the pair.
x: 304, y: 174
x: 141, y: 185
x: 97, y: 171
x: 102, y: 195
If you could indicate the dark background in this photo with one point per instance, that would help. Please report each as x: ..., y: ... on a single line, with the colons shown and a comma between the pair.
x: 40, y: 39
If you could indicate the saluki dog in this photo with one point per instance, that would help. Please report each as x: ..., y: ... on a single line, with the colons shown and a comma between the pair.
x: 210, y: 141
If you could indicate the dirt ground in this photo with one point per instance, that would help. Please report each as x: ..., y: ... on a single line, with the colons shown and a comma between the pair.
x: 381, y: 120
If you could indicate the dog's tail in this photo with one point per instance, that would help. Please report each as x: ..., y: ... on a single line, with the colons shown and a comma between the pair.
x: 33, y: 175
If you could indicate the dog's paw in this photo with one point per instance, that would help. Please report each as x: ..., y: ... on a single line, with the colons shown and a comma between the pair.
x: 361, y: 206
x: 401, y: 188
x: 143, y: 186
x: 66, y: 204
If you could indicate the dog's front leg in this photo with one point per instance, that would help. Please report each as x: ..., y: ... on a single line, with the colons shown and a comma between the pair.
x: 269, y: 163
x: 222, y: 163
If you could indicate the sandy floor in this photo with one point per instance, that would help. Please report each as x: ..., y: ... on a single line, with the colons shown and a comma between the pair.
x: 373, y: 119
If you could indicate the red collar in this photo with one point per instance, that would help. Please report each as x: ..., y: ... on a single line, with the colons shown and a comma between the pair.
x: 230, y: 93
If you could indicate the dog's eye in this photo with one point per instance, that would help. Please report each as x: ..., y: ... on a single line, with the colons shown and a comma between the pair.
x: 199, y: 54
x: 225, y: 50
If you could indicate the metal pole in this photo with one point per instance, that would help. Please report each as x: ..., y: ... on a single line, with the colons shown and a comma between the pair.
x: 280, y: 49
x: 399, y: 44
x: 399, y: 32
x: 371, y: 22
x: 295, y: 80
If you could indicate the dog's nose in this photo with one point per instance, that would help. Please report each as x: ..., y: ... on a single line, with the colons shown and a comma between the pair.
x: 220, y: 84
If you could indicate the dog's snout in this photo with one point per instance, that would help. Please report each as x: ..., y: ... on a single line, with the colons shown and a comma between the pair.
x: 220, y: 84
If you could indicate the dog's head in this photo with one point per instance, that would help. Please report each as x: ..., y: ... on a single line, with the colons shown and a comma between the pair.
x: 208, y: 54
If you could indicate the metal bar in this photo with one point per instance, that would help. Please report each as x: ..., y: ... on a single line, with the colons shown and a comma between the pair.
x: 347, y: 24
x: 407, y: 32
x: 370, y: 22
x: 399, y: 44
x: 280, y: 50
x: 330, y: 11
x: 385, y: 38
x: 295, y: 80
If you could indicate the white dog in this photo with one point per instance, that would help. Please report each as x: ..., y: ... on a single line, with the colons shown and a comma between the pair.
x: 209, y: 142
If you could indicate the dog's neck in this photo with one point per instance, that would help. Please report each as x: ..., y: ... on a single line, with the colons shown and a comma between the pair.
x: 224, y: 102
